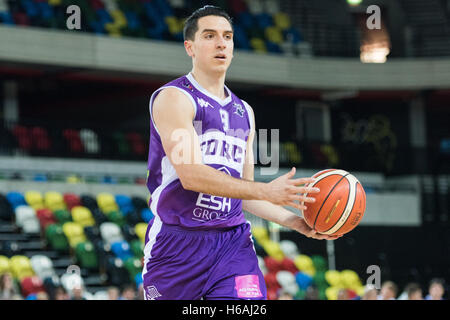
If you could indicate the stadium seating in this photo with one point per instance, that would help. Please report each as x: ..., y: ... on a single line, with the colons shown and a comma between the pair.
x: 157, y: 19
x: 74, y: 233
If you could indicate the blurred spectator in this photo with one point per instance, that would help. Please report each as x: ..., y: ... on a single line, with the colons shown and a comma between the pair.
x: 284, y: 295
x: 312, y: 293
x: 113, y: 293
x: 42, y: 295
x: 8, y: 289
x: 435, y: 289
x: 78, y: 293
x: 140, y: 292
x: 128, y: 292
x: 388, y: 291
x: 370, y: 293
x: 343, y: 295
x: 60, y: 294
x: 414, y: 291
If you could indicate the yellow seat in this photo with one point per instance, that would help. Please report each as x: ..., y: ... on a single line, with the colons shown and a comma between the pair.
x: 303, y: 262
x: 83, y: 216
x: 273, y: 249
x: 54, y: 201
x: 119, y: 18
x: 21, y: 267
x: 333, y: 278
x: 350, y: 279
x: 332, y: 293
x: 258, y: 45
x: 4, y: 265
x: 54, y: 2
x: 106, y: 202
x: 74, y: 232
x: 274, y: 35
x: 34, y: 199
x: 140, y: 229
x: 173, y: 25
x: 261, y: 234
x: 282, y: 20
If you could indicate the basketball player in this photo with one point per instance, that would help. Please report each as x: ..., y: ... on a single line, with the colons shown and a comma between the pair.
x: 200, y: 176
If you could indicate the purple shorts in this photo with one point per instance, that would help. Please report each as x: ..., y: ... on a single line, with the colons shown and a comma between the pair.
x: 202, y: 264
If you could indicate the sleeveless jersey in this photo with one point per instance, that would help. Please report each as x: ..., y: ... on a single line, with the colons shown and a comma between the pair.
x: 223, y: 127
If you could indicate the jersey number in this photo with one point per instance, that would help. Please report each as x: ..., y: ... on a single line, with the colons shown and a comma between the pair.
x: 225, y: 119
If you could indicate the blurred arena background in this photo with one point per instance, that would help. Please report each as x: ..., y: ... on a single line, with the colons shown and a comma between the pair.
x: 74, y: 127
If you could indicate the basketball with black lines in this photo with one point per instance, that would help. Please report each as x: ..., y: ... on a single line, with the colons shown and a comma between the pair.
x: 340, y: 204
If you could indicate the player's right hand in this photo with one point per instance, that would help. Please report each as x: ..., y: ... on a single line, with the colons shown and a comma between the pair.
x: 285, y: 191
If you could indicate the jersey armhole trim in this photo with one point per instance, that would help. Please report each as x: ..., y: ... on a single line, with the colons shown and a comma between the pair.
x: 194, y: 105
x: 250, y: 115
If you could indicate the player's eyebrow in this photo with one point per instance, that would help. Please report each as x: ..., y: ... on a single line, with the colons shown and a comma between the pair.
x: 215, y: 31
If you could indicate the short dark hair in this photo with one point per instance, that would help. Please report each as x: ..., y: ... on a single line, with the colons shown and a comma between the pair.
x: 191, y: 24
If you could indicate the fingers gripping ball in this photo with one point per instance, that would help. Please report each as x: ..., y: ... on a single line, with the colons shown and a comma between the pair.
x: 340, y: 204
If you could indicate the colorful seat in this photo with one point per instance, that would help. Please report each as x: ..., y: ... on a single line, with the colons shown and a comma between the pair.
x: 21, y: 267
x: 45, y: 217
x: 31, y: 284
x: 124, y: 203
x: 62, y: 216
x: 117, y: 217
x: 282, y: 21
x: 86, y: 255
x: 15, y: 199
x: 83, y: 216
x: 56, y: 237
x: 42, y: 266
x: 141, y: 229
x: 34, y: 199
x: 133, y: 266
x: 90, y: 141
x: 71, y: 200
x: 110, y: 232
x: 54, y: 200
x: 137, y: 248
x: 147, y: 215
x: 121, y: 250
x: 106, y: 202
x: 74, y: 233
x: 26, y: 217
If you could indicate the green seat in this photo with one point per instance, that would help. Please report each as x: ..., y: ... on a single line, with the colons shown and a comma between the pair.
x: 122, y: 144
x: 137, y: 247
x: 133, y: 266
x: 63, y: 216
x: 319, y: 279
x: 319, y: 262
x: 56, y: 238
x: 86, y: 255
x: 117, y: 217
x: 300, y: 295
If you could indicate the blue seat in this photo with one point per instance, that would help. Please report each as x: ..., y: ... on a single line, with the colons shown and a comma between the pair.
x: 15, y: 199
x: 263, y: 20
x: 240, y: 38
x: 124, y: 203
x: 146, y: 215
x: 138, y: 279
x: 273, y: 47
x: 122, y: 250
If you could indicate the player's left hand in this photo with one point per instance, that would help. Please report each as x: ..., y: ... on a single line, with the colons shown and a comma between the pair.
x: 300, y: 225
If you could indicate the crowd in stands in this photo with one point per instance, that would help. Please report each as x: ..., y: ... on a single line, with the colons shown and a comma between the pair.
x: 260, y: 25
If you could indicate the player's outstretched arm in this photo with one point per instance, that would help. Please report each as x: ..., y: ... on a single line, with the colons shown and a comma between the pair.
x: 173, y: 115
x: 276, y: 213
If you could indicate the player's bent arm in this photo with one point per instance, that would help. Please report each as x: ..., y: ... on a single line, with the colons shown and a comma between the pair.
x: 173, y: 114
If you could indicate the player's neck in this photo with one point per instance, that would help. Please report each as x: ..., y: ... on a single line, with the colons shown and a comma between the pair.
x: 213, y: 83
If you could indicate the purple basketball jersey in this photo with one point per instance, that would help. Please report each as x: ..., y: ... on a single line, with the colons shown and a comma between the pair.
x: 223, y: 127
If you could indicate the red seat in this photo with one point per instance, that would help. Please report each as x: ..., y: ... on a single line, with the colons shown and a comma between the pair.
x: 272, y: 265
x: 74, y: 141
x: 40, y: 139
x: 71, y: 200
x: 31, y: 285
x: 136, y: 142
x: 288, y: 265
x: 45, y: 217
x: 22, y: 136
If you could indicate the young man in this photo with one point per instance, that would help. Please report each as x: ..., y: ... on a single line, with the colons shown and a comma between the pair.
x: 200, y: 176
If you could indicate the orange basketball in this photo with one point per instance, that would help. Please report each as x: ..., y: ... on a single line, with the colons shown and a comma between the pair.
x: 339, y: 205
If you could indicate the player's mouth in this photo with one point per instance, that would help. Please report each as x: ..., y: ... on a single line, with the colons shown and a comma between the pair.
x: 221, y: 57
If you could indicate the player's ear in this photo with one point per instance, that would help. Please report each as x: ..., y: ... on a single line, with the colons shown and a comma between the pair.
x: 188, y: 46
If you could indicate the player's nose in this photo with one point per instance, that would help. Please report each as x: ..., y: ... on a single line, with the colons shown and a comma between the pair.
x: 221, y: 43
